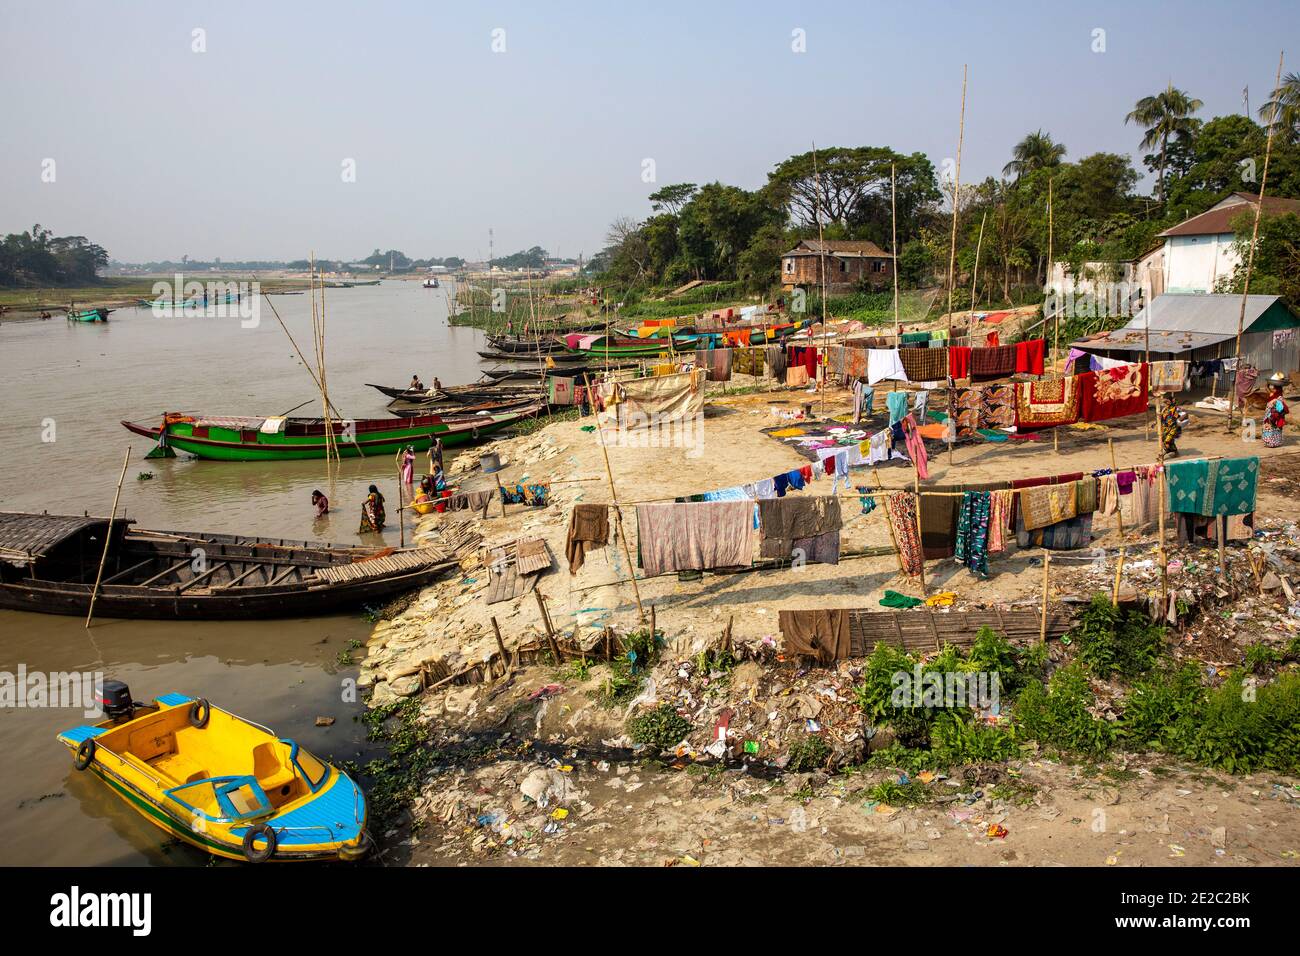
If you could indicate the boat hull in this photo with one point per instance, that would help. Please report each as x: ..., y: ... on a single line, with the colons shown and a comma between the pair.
x: 230, y: 444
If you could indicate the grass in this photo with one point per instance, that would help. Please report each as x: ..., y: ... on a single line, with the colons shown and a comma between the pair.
x: 115, y: 290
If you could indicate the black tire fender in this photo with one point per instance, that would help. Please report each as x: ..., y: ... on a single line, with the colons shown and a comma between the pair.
x: 85, y: 755
x: 200, y: 711
x: 254, y: 855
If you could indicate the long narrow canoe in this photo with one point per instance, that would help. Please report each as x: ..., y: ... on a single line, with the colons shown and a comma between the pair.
x: 224, y: 299
x: 290, y: 439
x: 89, y: 315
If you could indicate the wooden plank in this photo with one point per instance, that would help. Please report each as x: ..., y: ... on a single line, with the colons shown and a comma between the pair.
x: 164, y: 573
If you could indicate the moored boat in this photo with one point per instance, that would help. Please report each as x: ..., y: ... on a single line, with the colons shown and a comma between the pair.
x: 89, y: 315
x: 171, y: 305
x: 281, y: 438
x: 219, y: 782
x: 48, y: 565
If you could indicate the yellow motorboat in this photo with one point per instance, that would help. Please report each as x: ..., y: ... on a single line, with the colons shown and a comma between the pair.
x: 219, y: 782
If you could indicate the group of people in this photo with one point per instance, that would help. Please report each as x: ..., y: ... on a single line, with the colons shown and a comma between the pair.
x: 418, y: 386
x: 373, y: 514
x: 1275, y: 412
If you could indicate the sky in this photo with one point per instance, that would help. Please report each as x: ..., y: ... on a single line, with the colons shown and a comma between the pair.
x: 228, y: 130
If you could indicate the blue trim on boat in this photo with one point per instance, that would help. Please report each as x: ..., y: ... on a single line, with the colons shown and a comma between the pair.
x: 77, y: 734
x: 329, y: 817
x: 173, y: 699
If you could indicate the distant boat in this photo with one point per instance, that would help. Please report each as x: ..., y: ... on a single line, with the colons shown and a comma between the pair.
x: 431, y: 283
x: 224, y: 299
x: 89, y: 315
x: 226, y: 438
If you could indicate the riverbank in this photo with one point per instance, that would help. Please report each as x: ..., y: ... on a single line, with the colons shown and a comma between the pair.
x: 717, y: 662
x: 116, y: 292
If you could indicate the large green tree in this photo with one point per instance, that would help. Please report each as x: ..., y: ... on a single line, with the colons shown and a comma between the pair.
x: 1166, y: 114
x: 1036, y: 151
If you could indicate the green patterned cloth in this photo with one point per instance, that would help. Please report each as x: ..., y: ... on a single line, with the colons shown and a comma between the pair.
x: 1224, y: 486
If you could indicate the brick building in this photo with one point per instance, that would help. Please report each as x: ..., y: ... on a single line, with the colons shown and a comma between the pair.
x: 848, y: 263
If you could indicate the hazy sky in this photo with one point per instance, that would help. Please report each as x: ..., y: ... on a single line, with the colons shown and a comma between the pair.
x: 238, y: 151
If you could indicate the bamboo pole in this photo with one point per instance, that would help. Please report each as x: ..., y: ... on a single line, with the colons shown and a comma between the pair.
x: 1114, y: 468
x: 893, y: 534
x: 401, y: 510
x: 916, y: 490
x: 546, y: 626
x: 1042, y: 625
x: 298, y: 351
x: 1163, y: 555
x: 1056, y: 307
x: 822, y: 259
x: 618, y: 512
x: 506, y: 664
x: 1119, y: 571
x: 952, y: 264
x: 893, y: 232
x: 108, y: 537
x: 975, y: 282
x: 1254, y: 238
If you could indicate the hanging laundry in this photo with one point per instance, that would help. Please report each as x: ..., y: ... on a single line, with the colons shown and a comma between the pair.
x: 901, y: 509
x: 796, y: 376
x: 1245, y: 380
x: 1052, y: 401
x: 916, y: 447
x: 784, y: 521
x: 1112, y: 393
x: 1047, y: 504
x: 1029, y: 356
x: 1085, y: 495
x: 819, y: 634
x: 999, y: 513
x: 884, y: 364
x: 972, y: 544
x: 924, y: 365
x: 774, y: 360
x: 896, y: 402
x: 1224, y: 486
x: 920, y: 404
x: 993, y: 363
x: 588, y: 529
x: 1169, y: 376
x: 695, y: 536
x: 959, y: 361
x: 998, y: 406
x: 866, y: 499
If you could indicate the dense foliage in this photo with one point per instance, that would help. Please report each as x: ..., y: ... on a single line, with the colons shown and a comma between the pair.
x: 39, y: 258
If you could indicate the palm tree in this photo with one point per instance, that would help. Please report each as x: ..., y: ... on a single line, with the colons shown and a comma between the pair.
x: 1286, y: 100
x: 1035, y: 151
x: 1166, y: 114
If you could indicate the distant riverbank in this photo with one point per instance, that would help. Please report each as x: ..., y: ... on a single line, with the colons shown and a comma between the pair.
x: 117, y: 291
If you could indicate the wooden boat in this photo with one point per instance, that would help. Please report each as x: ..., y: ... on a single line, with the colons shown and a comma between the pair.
x: 513, y: 374
x: 89, y: 315
x: 534, y: 358
x: 219, y: 782
x: 465, y: 394
x: 430, y: 283
x: 450, y: 407
x: 544, y: 346
x: 224, y: 298
x: 48, y: 565
x: 287, y: 439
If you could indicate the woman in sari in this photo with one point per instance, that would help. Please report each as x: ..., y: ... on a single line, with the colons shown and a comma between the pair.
x: 1274, y: 412
x: 372, y: 512
x: 406, y: 463
x: 1170, y: 428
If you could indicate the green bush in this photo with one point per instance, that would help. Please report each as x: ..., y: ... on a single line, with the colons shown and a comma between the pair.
x: 957, y: 741
x: 1057, y: 715
x: 1245, y: 729
x: 1163, y: 709
x: 1114, y: 643
x: 662, y: 728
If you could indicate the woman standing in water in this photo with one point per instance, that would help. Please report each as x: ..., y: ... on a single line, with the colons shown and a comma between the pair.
x: 406, y: 462
x: 372, y: 513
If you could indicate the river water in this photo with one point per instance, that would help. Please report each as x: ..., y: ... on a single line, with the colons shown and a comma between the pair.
x: 73, y: 383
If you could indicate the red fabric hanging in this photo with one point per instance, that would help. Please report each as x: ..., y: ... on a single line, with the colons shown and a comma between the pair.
x: 1029, y: 356
x: 959, y: 361
x: 1098, y: 400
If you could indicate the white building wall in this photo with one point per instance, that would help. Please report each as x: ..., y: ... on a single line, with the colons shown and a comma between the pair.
x: 1195, y: 263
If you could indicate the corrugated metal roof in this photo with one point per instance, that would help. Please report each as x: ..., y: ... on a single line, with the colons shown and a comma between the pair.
x: 1131, y: 340
x: 24, y: 537
x: 1210, y: 313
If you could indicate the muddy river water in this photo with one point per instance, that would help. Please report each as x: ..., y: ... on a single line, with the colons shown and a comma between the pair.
x: 73, y: 383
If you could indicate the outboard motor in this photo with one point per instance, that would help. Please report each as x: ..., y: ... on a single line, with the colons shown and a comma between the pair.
x: 116, y: 699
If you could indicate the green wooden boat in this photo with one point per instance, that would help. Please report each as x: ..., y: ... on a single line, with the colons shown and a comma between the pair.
x: 89, y: 315
x: 225, y: 298
x: 289, y: 439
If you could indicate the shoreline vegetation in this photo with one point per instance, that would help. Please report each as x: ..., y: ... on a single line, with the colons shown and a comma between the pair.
x: 122, y: 291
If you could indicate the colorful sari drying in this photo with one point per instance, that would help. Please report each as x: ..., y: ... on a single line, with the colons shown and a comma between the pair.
x: 998, y: 406
x: 1052, y: 401
x: 1047, y: 504
x: 1225, y: 486
x: 972, y: 547
x: 1029, y: 356
x: 1112, y: 392
x: 901, y: 510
